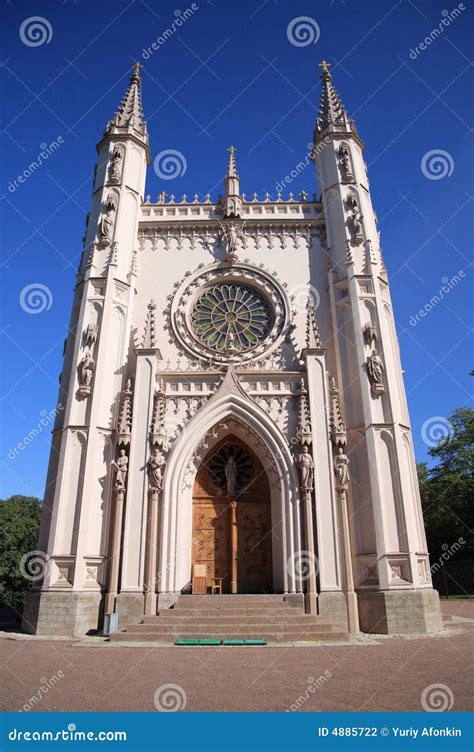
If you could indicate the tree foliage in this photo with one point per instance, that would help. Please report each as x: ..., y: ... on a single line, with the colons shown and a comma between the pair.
x: 19, y: 527
x: 447, y: 489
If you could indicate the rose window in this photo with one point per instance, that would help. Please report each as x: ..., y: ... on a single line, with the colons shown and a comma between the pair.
x: 231, y: 318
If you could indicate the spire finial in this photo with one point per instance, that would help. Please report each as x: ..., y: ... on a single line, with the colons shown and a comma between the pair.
x: 325, y: 67
x: 232, y: 167
x: 136, y: 70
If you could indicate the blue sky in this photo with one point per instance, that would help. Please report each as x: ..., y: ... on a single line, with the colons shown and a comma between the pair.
x: 230, y: 74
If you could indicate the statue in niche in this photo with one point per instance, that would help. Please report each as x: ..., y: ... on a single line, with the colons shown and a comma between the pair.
x: 306, y: 470
x: 154, y: 470
x: 375, y: 370
x: 106, y: 224
x: 341, y: 466
x: 121, y: 466
x: 86, y: 370
x: 344, y: 160
x: 115, y: 166
x: 231, y: 476
x: 355, y: 218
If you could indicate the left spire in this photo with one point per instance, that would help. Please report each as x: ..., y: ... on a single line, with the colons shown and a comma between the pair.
x: 129, y: 115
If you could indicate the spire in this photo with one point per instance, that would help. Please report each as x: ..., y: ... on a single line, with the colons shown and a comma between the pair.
x: 232, y: 167
x: 149, y: 335
x: 130, y: 112
x: 332, y: 113
x: 313, y: 341
x: 232, y: 201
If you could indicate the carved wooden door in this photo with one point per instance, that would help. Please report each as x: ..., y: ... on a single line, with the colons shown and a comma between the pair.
x: 254, y: 547
x: 212, y: 539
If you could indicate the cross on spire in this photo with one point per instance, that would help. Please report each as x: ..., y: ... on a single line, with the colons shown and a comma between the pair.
x: 136, y: 69
x: 325, y: 66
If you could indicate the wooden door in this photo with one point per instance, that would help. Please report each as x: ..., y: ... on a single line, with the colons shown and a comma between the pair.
x: 212, y: 539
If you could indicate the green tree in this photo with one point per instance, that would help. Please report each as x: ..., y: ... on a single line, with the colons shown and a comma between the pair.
x: 447, y: 488
x: 19, y: 527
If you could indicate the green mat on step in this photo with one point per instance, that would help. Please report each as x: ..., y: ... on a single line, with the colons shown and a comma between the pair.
x: 191, y: 641
x: 244, y: 642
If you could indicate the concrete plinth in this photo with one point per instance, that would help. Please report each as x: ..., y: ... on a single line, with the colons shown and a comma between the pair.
x: 333, y: 608
x: 130, y: 608
x: 400, y: 611
x: 49, y: 613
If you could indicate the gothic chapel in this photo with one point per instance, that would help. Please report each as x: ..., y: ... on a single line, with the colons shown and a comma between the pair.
x: 233, y: 457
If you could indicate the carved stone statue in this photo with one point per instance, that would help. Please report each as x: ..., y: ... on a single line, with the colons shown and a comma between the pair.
x: 375, y: 369
x: 231, y: 476
x: 306, y: 469
x: 115, y: 166
x: 341, y: 466
x: 355, y: 218
x: 121, y: 467
x: 106, y: 224
x: 231, y: 234
x: 344, y: 160
x: 154, y: 470
x: 86, y: 370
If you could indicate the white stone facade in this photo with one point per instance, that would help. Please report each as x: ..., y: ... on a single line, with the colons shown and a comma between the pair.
x: 323, y: 373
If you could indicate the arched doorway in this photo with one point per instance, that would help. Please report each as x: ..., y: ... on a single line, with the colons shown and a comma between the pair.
x: 232, y: 519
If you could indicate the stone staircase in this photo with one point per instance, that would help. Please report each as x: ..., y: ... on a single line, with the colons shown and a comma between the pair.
x: 268, y: 617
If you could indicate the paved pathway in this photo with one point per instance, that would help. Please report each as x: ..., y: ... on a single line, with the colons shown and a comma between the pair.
x: 379, y: 674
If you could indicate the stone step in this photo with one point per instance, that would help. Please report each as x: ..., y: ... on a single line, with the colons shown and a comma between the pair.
x: 236, y: 629
x: 270, y: 636
x: 173, y: 614
x: 166, y: 620
x: 234, y: 600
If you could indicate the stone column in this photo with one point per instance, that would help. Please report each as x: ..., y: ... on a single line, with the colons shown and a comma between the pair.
x: 234, y: 544
x: 151, y: 552
x: 115, y: 550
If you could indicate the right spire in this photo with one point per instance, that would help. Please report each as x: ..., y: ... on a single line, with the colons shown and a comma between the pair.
x: 332, y: 113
